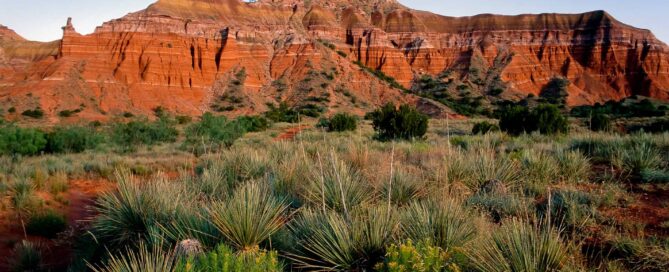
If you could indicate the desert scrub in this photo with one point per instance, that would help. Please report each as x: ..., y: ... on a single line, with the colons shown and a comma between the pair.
x: 223, y: 259
x: 418, y: 257
x: 518, y: 246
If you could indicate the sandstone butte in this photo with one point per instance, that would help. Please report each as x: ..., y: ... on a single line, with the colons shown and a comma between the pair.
x: 188, y: 56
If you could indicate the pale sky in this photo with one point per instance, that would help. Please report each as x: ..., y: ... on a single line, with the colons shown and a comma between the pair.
x: 42, y: 19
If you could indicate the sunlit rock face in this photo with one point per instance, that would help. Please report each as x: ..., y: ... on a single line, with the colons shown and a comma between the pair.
x: 191, y: 56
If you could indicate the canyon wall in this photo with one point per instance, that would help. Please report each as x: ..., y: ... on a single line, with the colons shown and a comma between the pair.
x: 194, y: 56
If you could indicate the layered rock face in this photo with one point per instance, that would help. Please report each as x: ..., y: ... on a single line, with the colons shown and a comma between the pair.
x: 194, y: 56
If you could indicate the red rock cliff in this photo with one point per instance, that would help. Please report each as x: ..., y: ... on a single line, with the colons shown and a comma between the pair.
x: 193, y: 56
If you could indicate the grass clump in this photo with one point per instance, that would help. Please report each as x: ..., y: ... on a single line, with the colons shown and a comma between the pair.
x: 405, y: 123
x: 47, y: 224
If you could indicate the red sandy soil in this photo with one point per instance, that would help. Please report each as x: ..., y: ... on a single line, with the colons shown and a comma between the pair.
x: 290, y: 133
x: 80, y: 195
x: 649, y: 208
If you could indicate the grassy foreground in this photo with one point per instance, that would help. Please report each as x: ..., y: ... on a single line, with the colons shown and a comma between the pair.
x: 345, y: 201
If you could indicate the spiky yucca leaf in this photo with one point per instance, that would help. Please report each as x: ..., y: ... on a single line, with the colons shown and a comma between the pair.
x: 325, y: 241
x: 518, y: 246
x: 250, y: 217
x: 337, y: 183
x: 446, y: 224
x: 374, y: 228
x: 129, y: 215
x: 145, y: 259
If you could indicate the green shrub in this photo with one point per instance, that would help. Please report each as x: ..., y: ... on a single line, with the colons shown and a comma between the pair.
x: 36, y: 113
x: 484, y: 127
x: 545, y: 118
x: 283, y: 113
x: 47, y: 224
x: 73, y: 140
x: 253, y: 123
x: 403, y: 123
x: 515, y: 120
x: 21, y: 141
x: 223, y: 259
x: 339, y: 122
x: 214, y: 132
x: 129, y: 135
x: 421, y: 257
x: 600, y: 122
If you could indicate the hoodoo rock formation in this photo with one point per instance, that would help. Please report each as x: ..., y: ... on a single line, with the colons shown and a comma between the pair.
x: 194, y: 56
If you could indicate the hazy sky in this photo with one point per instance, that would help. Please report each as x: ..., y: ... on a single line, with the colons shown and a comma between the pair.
x: 42, y: 19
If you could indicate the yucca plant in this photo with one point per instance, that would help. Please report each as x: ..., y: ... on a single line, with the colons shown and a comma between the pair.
x: 574, y: 166
x: 404, y: 189
x: 145, y: 258
x: 27, y: 257
x: 500, y: 206
x: 325, y: 242
x: 446, y: 224
x: 474, y: 168
x: 129, y: 215
x: 336, y: 186
x: 638, y: 156
x: 249, y: 217
x: 224, y: 259
x: 519, y: 246
x: 539, y: 167
x: 374, y: 227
